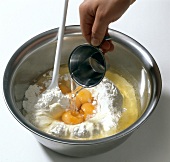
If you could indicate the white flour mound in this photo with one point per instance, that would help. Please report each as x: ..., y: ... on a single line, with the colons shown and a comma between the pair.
x: 41, y: 109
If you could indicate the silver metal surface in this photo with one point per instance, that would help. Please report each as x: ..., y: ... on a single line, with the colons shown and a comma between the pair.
x: 129, y: 59
x: 87, y: 65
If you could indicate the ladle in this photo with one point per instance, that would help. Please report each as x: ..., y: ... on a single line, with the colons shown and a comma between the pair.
x: 87, y: 64
x: 56, y: 68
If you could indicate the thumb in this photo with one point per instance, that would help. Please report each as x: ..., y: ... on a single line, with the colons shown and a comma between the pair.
x: 99, y: 30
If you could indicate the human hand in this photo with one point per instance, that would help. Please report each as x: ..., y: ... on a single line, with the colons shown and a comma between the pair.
x: 96, y: 15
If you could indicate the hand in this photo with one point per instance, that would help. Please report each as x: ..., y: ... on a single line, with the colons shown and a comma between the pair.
x: 96, y: 15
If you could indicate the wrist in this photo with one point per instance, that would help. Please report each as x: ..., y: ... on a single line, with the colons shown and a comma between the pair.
x: 132, y: 1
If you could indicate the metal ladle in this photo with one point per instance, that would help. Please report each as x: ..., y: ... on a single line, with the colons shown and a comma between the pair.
x: 87, y: 65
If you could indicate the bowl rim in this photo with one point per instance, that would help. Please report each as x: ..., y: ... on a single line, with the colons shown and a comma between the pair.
x: 118, y: 36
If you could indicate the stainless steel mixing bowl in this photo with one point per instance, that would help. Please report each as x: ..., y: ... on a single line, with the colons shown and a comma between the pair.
x: 37, y: 55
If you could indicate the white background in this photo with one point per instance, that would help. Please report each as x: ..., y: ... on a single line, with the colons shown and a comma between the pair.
x: 147, y: 21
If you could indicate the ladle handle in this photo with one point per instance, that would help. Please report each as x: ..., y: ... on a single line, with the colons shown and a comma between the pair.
x: 56, y: 68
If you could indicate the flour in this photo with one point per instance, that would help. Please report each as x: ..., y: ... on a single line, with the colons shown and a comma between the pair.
x: 41, y: 111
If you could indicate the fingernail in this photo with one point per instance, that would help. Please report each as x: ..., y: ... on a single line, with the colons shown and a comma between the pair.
x: 95, y: 42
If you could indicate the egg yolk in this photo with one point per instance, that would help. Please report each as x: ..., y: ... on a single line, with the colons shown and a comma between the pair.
x: 64, y: 89
x: 88, y: 109
x: 81, y: 107
x: 72, y: 118
x: 84, y: 96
